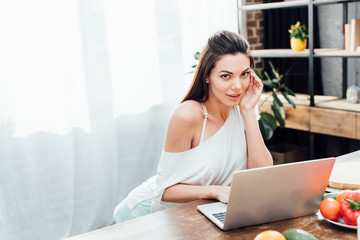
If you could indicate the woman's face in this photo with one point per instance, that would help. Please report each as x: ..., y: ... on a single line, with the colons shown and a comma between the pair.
x: 229, y: 79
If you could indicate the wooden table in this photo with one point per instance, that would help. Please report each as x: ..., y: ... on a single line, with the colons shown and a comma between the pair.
x: 185, y: 222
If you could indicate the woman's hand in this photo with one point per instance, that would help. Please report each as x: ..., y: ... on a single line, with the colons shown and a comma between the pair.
x: 220, y: 193
x: 252, y: 93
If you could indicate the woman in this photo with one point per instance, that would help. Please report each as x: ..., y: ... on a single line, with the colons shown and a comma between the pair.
x: 212, y: 134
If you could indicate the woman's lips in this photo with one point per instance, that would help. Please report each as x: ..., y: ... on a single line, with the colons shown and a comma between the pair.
x: 233, y: 97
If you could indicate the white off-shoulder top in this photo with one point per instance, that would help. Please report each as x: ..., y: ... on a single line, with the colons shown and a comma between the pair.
x: 212, y: 162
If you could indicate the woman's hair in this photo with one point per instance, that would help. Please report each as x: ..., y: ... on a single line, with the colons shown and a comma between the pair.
x: 221, y: 43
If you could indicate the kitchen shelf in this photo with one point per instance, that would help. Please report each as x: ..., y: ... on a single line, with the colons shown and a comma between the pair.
x: 323, y: 101
x: 320, y: 2
x: 321, y: 52
x: 274, y: 5
x: 290, y: 4
x: 333, y: 52
x: 340, y: 104
x: 299, y: 99
x: 342, y: 118
x: 315, y: 114
x: 274, y: 53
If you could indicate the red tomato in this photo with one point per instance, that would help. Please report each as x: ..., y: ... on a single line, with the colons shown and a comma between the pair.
x: 330, y: 208
x: 341, y: 195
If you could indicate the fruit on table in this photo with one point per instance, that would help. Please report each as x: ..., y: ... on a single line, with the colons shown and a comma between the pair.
x: 330, y: 209
x: 298, y: 234
x: 270, y: 235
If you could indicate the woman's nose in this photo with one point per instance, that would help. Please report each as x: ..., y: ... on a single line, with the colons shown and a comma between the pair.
x: 236, y: 84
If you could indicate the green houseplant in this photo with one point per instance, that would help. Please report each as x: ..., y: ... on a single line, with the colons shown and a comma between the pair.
x: 269, y: 121
x: 298, y: 36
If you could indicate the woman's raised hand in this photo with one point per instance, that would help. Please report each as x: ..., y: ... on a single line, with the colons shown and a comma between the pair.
x: 252, y: 93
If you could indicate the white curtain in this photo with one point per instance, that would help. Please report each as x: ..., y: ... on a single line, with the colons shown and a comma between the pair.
x: 86, y: 91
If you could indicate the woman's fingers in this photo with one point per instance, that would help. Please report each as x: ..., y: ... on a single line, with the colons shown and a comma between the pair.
x: 256, y: 81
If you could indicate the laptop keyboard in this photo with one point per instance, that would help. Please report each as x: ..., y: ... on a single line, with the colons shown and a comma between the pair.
x: 220, y: 216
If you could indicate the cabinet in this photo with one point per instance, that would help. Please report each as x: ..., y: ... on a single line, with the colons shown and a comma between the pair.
x: 315, y: 114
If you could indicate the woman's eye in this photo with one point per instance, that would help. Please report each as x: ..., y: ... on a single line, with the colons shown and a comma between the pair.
x: 225, y: 76
x: 245, y: 74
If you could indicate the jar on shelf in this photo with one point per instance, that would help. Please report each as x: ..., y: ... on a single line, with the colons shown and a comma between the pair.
x: 353, y: 94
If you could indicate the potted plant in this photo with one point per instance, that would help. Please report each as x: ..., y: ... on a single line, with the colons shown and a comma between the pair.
x: 298, y: 37
x: 274, y: 117
x: 269, y: 121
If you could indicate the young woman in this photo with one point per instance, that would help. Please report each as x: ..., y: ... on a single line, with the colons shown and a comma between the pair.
x: 212, y: 134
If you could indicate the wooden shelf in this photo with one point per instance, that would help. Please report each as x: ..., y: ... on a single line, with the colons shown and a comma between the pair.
x: 340, y: 104
x: 320, y: 2
x: 332, y: 52
x: 333, y: 122
x: 300, y: 99
x: 290, y: 4
x: 263, y: 6
x: 280, y: 53
x: 319, y: 52
x: 331, y: 115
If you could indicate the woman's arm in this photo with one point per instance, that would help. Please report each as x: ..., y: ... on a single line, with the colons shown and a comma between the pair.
x: 258, y: 154
x: 181, y: 193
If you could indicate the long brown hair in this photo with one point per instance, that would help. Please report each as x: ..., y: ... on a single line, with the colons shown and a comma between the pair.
x: 219, y: 44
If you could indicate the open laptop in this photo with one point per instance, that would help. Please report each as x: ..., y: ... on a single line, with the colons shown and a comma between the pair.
x: 272, y: 193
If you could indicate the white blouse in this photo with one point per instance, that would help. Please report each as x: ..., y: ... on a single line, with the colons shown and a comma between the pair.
x: 212, y: 162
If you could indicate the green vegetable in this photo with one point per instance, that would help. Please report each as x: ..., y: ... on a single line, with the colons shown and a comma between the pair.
x: 298, y: 234
x: 330, y: 195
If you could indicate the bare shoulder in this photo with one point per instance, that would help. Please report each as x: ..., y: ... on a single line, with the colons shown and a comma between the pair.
x: 188, y: 112
x: 183, y: 125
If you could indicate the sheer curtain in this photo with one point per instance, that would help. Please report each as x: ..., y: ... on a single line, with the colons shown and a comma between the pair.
x: 86, y: 91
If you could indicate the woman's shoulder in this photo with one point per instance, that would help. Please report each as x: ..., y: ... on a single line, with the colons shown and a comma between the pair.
x: 184, y: 123
x: 189, y: 111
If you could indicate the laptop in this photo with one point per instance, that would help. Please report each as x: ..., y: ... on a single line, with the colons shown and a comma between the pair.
x: 272, y: 193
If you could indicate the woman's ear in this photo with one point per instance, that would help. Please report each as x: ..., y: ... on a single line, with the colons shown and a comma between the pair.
x: 207, y: 80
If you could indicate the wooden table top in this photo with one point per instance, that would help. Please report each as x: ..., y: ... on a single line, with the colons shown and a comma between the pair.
x: 185, y: 222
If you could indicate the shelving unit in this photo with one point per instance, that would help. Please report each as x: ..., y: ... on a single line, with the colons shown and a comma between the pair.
x: 322, y: 52
x: 341, y: 118
x: 276, y: 5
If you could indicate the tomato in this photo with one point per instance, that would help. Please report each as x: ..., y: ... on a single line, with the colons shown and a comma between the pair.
x: 270, y: 235
x: 341, y: 195
x: 330, y: 209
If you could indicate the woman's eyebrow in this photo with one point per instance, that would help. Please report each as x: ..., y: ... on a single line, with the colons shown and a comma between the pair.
x: 246, y: 69
x: 225, y: 71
